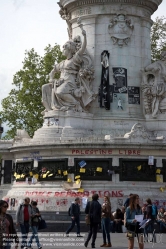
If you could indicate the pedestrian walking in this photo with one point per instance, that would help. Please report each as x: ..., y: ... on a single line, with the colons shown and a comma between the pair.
x: 105, y: 222
x: 7, y: 230
x: 150, y: 225
x: 75, y: 217
x: 23, y: 219
x: 132, y: 224
x: 34, y: 225
x: 93, y: 209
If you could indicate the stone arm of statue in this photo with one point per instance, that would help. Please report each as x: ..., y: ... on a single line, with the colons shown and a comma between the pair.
x: 52, y: 73
x: 83, y: 47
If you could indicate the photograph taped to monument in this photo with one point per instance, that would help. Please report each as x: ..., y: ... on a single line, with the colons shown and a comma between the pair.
x: 120, y: 77
x: 119, y: 102
x: 134, y: 95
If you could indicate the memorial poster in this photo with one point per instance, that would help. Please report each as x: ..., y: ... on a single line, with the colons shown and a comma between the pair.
x: 134, y: 95
x: 120, y: 77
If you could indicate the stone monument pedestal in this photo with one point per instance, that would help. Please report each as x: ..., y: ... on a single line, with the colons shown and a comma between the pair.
x: 122, y: 141
x: 62, y: 125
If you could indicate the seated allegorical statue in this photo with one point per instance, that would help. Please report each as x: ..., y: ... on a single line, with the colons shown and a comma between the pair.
x: 154, y: 87
x: 73, y: 90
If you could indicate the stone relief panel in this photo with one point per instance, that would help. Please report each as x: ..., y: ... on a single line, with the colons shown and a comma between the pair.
x: 120, y: 30
x: 139, y: 132
x: 154, y: 87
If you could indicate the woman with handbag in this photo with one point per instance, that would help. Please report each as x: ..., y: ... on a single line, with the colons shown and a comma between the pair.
x: 7, y: 230
x: 34, y: 225
x: 105, y: 221
x: 132, y: 224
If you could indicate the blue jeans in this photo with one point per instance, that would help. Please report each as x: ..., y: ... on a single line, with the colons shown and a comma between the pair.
x: 105, y: 223
x: 77, y: 221
x: 34, y: 235
x: 162, y: 225
x: 149, y: 228
x: 24, y: 231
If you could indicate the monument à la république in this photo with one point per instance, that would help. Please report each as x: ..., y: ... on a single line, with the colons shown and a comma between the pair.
x: 104, y: 123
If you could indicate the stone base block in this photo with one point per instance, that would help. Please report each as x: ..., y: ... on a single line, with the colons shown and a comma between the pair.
x: 58, y: 124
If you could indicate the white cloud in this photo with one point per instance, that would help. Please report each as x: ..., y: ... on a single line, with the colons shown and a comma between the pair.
x: 18, y: 3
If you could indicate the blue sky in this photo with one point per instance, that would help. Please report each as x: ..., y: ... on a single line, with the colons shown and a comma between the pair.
x: 27, y: 24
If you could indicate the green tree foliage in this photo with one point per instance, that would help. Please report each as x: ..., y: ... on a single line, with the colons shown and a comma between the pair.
x: 22, y: 108
x: 158, y: 37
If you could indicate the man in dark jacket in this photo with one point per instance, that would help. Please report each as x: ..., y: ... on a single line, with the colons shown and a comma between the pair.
x: 150, y: 226
x: 93, y: 209
x: 75, y: 217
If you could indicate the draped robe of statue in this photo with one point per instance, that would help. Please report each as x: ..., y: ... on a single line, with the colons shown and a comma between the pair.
x: 67, y: 84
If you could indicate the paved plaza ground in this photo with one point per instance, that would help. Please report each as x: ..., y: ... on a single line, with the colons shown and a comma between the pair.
x: 58, y: 240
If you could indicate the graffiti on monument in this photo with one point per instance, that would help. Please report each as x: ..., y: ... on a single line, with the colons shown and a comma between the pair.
x: 33, y: 156
x: 63, y: 199
x: 105, y: 152
x: 101, y: 193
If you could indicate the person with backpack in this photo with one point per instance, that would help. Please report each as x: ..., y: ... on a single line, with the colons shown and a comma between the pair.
x: 132, y: 224
x: 23, y: 219
x: 34, y: 225
x: 93, y: 209
x: 154, y: 211
x: 75, y: 217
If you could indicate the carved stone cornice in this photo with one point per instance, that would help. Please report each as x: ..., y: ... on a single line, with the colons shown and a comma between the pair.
x: 151, y: 4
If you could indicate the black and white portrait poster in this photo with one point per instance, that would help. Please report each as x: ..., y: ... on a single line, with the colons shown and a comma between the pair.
x: 120, y: 77
x: 134, y: 95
